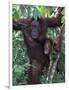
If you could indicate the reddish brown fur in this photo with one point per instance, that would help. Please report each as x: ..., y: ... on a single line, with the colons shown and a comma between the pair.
x: 35, y: 48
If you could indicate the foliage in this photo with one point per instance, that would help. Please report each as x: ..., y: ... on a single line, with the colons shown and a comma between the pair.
x: 20, y: 58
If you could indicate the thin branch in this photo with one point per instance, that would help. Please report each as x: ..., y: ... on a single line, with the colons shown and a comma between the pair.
x: 54, y: 65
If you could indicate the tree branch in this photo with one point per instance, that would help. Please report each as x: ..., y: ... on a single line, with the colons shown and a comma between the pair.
x: 58, y: 46
x: 55, y: 20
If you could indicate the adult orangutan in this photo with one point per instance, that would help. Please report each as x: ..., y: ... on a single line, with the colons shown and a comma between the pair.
x: 34, y: 32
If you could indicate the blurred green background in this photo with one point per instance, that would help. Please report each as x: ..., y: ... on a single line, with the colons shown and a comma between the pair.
x: 20, y: 58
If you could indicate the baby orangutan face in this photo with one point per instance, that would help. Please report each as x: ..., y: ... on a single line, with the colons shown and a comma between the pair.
x: 47, y: 46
